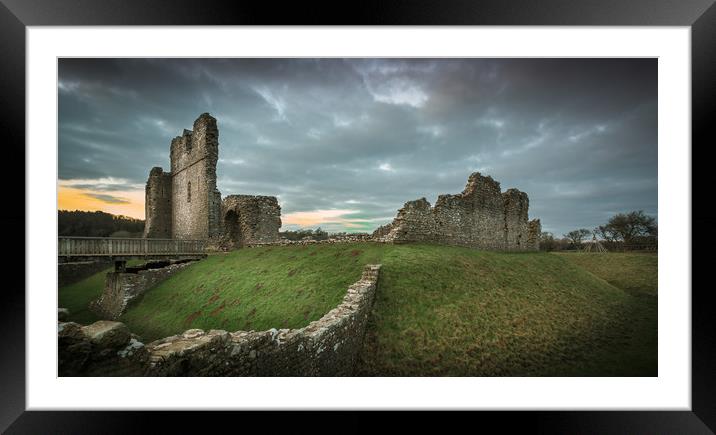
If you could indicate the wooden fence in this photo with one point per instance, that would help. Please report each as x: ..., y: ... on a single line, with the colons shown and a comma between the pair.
x: 109, y: 247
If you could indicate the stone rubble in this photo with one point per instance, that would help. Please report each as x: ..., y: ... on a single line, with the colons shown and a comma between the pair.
x: 62, y: 314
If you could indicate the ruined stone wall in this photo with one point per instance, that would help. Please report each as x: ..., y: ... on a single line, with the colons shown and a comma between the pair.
x: 480, y: 217
x: 326, y: 347
x: 359, y: 238
x: 251, y: 219
x: 195, y: 198
x: 382, y: 231
x: 158, y: 205
x: 516, y: 205
x: 415, y: 223
x: 121, y: 288
x: 534, y: 232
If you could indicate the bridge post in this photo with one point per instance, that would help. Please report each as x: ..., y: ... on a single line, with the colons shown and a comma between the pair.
x: 120, y: 266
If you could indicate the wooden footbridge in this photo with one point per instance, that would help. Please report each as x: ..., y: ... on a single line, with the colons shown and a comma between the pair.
x: 120, y: 250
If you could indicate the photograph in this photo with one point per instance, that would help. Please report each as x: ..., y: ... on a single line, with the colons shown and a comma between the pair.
x: 232, y: 210
x: 357, y: 216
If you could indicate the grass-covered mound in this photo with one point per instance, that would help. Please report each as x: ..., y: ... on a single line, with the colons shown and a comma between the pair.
x: 634, y: 351
x: 453, y: 311
x: 256, y: 288
x: 439, y: 310
x: 634, y: 272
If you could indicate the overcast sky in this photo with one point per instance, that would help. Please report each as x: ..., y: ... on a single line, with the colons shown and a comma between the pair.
x: 343, y: 143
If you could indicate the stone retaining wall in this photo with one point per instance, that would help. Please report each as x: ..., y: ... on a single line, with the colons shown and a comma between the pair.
x: 121, y: 288
x: 326, y: 347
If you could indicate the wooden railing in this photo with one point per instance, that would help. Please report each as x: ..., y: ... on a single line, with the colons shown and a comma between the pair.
x: 109, y: 247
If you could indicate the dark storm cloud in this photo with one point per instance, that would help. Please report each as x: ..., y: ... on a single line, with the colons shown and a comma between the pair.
x: 366, y: 135
x: 109, y: 199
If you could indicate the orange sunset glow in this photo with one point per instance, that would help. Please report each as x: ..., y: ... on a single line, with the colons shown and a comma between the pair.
x: 127, y: 203
x: 317, y: 217
x: 131, y: 203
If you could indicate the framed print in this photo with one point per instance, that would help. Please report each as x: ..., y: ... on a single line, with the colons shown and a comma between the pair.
x: 243, y: 200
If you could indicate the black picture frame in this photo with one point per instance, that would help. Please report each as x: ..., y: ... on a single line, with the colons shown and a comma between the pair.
x: 16, y: 15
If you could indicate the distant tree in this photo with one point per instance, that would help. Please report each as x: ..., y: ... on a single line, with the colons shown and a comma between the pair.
x: 305, y: 233
x: 604, y: 233
x: 577, y: 236
x: 96, y: 224
x: 627, y: 227
x: 319, y: 234
x: 547, y: 242
x: 295, y: 234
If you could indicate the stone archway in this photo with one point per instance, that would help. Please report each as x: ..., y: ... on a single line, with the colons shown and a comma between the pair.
x: 249, y: 220
x: 232, y: 229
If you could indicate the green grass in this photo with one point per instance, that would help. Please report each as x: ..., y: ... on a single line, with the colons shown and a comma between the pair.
x: 634, y: 349
x: 457, y: 312
x: 76, y: 297
x: 256, y: 288
x: 439, y: 310
x: 635, y: 273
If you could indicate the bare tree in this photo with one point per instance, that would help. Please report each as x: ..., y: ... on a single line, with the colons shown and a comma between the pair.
x: 577, y: 236
x: 604, y: 233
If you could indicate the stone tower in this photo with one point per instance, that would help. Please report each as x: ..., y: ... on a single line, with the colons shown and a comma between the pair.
x: 158, y: 205
x: 185, y: 203
x: 196, y: 202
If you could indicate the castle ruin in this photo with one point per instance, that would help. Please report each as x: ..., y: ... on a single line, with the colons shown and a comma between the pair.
x: 185, y: 203
x: 482, y: 217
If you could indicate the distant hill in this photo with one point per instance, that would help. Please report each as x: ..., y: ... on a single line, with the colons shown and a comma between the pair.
x: 97, y: 224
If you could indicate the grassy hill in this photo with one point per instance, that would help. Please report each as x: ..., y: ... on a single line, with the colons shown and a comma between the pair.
x: 257, y: 288
x: 453, y: 311
x: 634, y: 272
x: 439, y: 310
x: 635, y: 350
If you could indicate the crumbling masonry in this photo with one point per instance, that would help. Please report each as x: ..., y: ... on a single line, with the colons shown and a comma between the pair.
x: 185, y: 203
x: 480, y: 217
x: 250, y: 220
